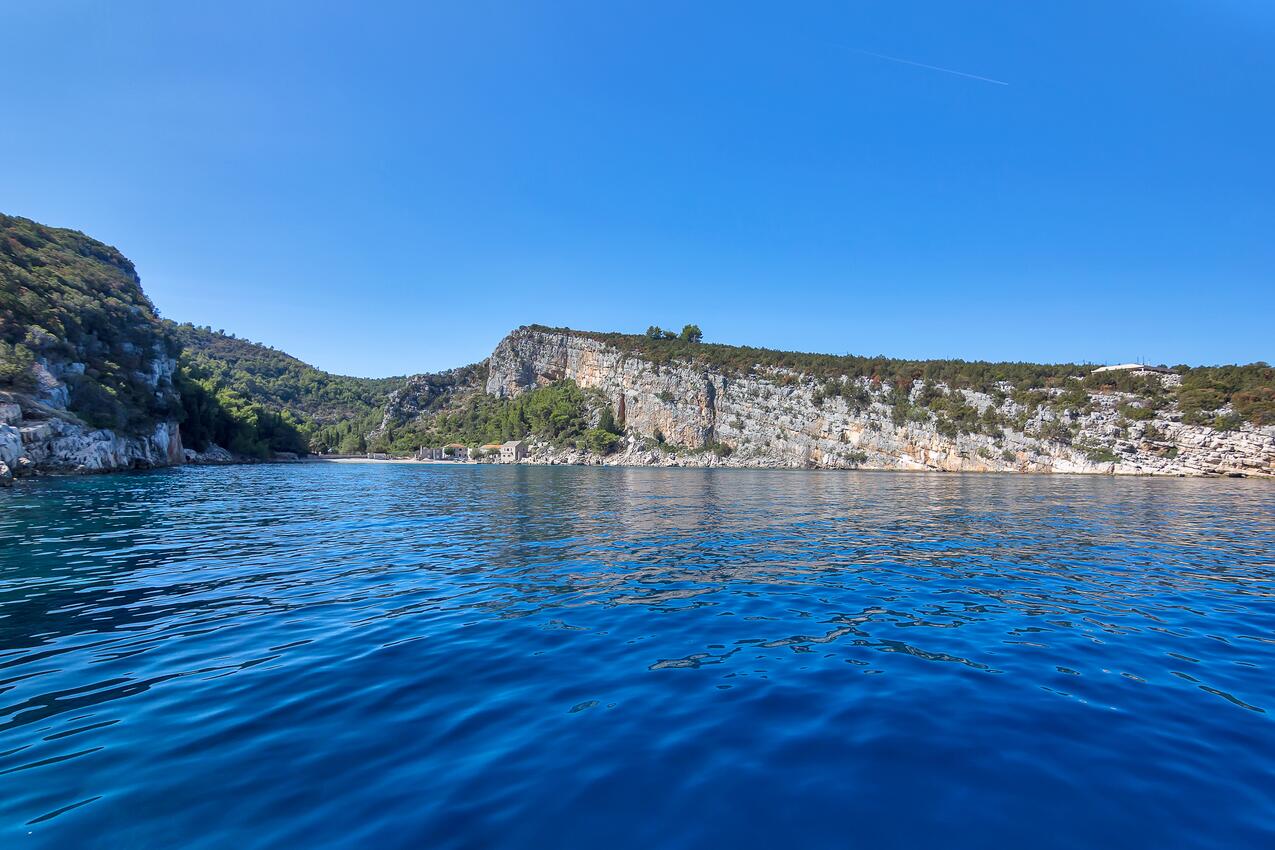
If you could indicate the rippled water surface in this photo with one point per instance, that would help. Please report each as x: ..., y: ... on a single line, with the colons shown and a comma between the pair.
x: 332, y: 655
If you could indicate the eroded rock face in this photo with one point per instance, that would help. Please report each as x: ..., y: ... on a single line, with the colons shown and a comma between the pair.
x: 775, y: 418
x: 63, y: 445
x: 10, y: 444
x: 38, y: 434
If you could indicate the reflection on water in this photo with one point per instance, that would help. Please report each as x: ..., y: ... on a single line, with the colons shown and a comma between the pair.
x: 333, y: 656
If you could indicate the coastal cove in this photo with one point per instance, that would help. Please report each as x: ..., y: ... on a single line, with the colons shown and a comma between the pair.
x: 93, y: 380
x: 450, y: 655
x: 617, y: 426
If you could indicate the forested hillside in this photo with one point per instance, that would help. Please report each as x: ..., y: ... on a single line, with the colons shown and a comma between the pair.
x: 278, y: 380
x: 561, y: 413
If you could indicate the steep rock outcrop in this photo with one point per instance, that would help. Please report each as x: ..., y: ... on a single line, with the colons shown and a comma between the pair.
x: 39, y: 437
x: 777, y: 417
x: 86, y: 370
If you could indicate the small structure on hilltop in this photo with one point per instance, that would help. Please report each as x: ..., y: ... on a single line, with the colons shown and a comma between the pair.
x: 1135, y: 368
x: 513, y: 451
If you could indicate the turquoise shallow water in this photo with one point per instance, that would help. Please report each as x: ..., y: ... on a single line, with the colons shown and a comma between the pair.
x: 429, y: 656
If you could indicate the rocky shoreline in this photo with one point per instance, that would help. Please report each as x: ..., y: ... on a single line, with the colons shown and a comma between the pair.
x: 692, y: 414
x: 636, y: 455
x: 39, y: 437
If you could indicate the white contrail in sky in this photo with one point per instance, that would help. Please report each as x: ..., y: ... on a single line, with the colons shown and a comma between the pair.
x: 923, y: 65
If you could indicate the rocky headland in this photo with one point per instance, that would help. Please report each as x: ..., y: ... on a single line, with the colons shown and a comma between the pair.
x: 686, y: 412
x: 92, y: 380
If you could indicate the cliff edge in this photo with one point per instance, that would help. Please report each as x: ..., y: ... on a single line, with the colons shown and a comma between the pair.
x: 719, y: 405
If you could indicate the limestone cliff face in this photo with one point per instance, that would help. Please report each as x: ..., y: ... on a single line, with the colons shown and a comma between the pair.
x: 773, y: 417
x: 80, y: 343
x: 39, y: 434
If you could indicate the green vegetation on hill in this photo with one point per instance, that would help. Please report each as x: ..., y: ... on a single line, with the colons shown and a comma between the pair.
x: 214, y: 414
x: 76, y: 303
x: 1205, y: 390
x: 66, y: 298
x: 331, y: 413
x: 347, y: 437
x: 561, y: 413
x: 1250, y: 390
x: 420, y: 396
x: 279, y: 381
x: 663, y: 347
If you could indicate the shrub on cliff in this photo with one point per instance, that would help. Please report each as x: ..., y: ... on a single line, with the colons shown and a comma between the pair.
x: 16, y: 361
x: 1055, y: 431
x: 606, y: 421
x: 598, y: 441
x: 1073, y: 398
x: 1228, y: 422
x: 1257, y: 405
x: 1136, y: 412
x: 1249, y: 389
x: 1099, y: 454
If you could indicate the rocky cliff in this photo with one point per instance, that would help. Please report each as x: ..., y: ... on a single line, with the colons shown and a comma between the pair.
x: 40, y: 433
x: 92, y: 380
x: 35, y: 438
x: 86, y: 371
x: 687, y: 412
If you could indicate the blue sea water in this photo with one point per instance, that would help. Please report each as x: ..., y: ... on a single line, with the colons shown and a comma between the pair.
x: 337, y: 656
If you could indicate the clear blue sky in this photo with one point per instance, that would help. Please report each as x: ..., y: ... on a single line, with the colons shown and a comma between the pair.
x: 384, y: 188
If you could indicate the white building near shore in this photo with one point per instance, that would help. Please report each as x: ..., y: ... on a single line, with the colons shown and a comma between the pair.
x: 513, y: 451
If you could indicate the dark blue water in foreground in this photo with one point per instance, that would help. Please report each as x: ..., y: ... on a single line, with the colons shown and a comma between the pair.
x: 428, y: 656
